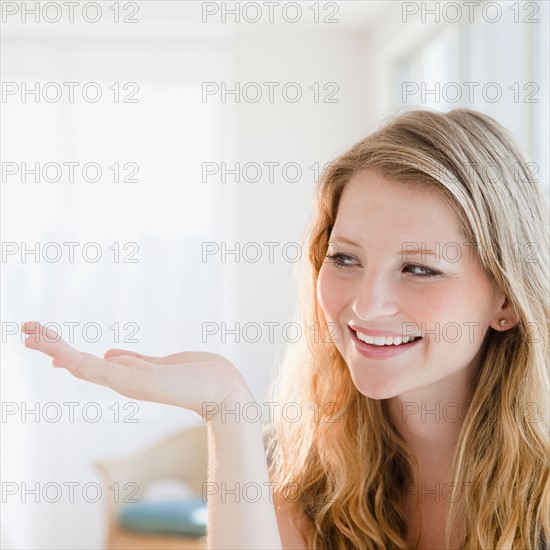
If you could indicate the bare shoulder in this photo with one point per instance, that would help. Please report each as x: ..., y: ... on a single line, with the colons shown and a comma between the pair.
x: 289, y: 520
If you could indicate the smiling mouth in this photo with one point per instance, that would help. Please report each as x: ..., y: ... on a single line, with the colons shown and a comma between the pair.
x: 382, y: 341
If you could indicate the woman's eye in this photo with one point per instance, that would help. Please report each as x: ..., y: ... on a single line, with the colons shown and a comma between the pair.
x: 422, y: 271
x: 341, y: 260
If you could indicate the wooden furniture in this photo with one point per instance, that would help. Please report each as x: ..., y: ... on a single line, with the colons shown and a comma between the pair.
x: 183, y: 456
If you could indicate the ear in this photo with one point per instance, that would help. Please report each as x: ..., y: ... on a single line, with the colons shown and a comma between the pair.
x: 506, y: 317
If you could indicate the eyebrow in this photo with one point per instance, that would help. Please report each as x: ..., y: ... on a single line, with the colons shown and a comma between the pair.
x: 400, y: 253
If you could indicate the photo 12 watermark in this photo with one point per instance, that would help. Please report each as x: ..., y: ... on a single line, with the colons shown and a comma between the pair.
x: 469, y: 12
x: 454, y: 252
x: 253, y: 412
x: 69, y: 172
x: 452, y: 412
x: 455, y: 332
x: 253, y: 492
x: 69, y: 12
x: 71, y: 252
x: 260, y: 172
x: 270, y: 92
x: 489, y: 172
x: 69, y: 92
x: 270, y: 12
x: 53, y: 492
x: 253, y: 332
x: 91, y: 332
x: 69, y: 412
x: 456, y: 491
x: 471, y: 92
x: 250, y: 252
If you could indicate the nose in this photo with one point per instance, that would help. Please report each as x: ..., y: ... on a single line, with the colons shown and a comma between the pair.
x: 375, y: 296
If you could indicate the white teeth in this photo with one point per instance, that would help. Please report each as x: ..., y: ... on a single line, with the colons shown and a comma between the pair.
x: 384, y: 340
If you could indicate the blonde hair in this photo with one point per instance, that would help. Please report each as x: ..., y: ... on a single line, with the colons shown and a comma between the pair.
x: 346, y: 463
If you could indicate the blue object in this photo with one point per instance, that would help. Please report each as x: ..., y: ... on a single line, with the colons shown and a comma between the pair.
x: 177, y: 517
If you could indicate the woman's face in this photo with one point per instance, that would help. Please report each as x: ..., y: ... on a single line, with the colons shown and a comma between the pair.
x: 401, y: 267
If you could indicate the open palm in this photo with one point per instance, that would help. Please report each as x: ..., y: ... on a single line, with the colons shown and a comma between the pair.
x: 188, y: 379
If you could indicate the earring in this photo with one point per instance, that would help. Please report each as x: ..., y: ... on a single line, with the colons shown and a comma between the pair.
x: 502, y: 322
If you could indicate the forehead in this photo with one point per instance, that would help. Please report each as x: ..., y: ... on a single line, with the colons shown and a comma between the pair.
x: 377, y: 205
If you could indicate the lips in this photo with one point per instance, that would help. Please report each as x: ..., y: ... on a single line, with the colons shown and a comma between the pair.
x: 382, y: 346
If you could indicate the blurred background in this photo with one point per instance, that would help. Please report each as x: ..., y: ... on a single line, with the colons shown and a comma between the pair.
x: 176, y: 145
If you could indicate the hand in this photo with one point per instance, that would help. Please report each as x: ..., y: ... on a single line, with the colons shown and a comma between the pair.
x: 188, y: 379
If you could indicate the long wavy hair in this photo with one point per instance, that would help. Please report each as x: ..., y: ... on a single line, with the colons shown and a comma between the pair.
x: 343, y: 465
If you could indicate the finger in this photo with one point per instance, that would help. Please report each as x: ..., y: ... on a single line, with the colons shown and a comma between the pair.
x: 126, y: 374
x: 45, y: 339
x: 181, y: 357
x: 114, y: 352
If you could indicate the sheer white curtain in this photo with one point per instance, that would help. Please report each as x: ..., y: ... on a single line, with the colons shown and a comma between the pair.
x: 147, y: 215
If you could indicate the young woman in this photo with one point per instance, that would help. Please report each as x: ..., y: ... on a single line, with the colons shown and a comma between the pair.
x: 423, y: 391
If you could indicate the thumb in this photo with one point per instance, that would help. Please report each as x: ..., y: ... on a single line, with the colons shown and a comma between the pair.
x: 115, y: 352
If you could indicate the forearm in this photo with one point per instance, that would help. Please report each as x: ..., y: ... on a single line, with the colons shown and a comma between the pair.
x: 240, y: 501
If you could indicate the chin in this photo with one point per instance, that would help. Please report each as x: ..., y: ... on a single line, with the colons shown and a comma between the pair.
x: 375, y: 389
x: 378, y: 394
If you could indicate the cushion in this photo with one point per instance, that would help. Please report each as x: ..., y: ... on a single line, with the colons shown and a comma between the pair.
x: 175, y: 517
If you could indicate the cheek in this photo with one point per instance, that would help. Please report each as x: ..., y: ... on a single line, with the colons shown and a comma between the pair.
x: 428, y: 302
x: 330, y: 294
x: 455, y: 315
